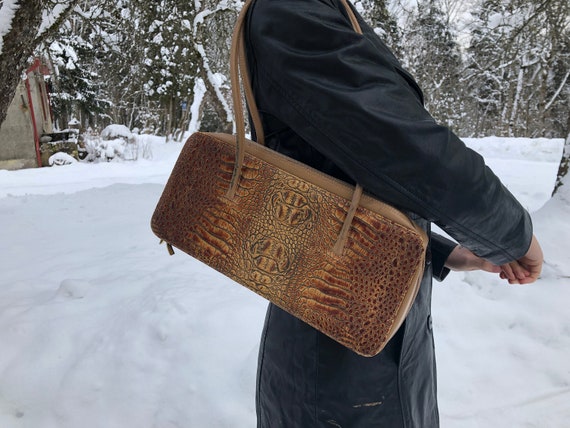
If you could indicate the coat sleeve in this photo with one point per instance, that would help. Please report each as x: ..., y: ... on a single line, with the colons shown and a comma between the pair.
x: 441, y: 248
x: 346, y: 95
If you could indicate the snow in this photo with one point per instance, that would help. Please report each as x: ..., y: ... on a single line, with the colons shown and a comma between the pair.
x: 101, y: 328
x: 115, y: 130
x: 61, y: 158
x: 50, y: 15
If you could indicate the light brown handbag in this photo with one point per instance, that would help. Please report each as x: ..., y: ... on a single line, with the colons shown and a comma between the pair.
x: 338, y: 259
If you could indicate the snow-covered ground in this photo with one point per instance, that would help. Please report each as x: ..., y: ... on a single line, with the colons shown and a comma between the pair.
x: 100, y: 328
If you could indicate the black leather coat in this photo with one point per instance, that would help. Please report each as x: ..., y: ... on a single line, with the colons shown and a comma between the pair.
x: 342, y: 103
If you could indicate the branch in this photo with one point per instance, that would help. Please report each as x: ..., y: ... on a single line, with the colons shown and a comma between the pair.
x: 549, y: 103
x: 54, y: 27
x: 540, y: 8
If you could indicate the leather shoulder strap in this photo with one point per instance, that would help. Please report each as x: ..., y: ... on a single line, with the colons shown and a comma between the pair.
x: 238, y: 65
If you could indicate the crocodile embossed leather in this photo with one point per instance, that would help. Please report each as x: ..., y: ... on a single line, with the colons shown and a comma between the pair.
x: 276, y: 237
x: 342, y: 261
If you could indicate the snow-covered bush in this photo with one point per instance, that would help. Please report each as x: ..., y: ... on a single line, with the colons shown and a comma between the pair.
x: 116, y: 142
x: 61, y: 158
x: 114, y: 131
x: 112, y: 148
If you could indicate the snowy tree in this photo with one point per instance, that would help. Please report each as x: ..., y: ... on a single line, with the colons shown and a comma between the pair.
x: 378, y: 16
x: 519, y: 67
x: 163, y: 64
x: 213, y: 27
x: 139, y: 63
x: 170, y: 62
x: 554, y: 104
x: 171, y: 47
x: 433, y: 57
x: 77, y: 60
x: 24, y: 26
x: 124, y: 39
x: 537, y: 57
x: 485, y: 84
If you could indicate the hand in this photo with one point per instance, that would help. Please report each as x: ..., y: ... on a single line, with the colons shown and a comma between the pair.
x: 527, y: 269
x: 461, y: 259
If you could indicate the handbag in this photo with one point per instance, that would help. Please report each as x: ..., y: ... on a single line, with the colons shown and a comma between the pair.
x: 324, y: 251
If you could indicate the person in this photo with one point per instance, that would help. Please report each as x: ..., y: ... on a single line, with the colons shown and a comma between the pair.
x: 341, y: 102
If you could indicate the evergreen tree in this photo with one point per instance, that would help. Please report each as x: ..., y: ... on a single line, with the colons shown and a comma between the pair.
x: 433, y: 57
x: 152, y: 55
x: 170, y: 61
x: 173, y: 44
x: 75, y: 56
x: 486, y: 84
x: 376, y: 13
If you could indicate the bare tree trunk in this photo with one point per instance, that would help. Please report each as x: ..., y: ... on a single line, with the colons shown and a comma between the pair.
x: 516, y: 99
x: 168, y: 109
x: 183, y: 123
x: 564, y: 165
x: 18, y: 46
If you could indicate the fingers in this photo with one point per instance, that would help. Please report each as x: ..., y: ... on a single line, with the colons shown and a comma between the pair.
x: 532, y: 261
x: 515, y: 273
x: 525, y: 270
x: 533, y: 270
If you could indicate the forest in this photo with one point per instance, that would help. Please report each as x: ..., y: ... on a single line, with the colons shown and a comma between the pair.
x: 487, y: 67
